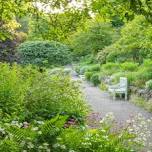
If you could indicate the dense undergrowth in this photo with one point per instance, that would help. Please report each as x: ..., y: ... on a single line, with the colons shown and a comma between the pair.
x: 39, y: 114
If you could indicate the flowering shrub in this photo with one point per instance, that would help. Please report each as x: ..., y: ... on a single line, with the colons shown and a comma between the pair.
x: 141, y: 127
x: 106, y: 138
x: 39, y: 136
x: 52, y: 136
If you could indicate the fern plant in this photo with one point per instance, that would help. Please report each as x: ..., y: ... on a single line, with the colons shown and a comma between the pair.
x: 9, y: 146
x: 33, y: 137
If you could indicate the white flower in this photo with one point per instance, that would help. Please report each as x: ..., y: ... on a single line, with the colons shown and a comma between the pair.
x: 35, y: 128
x: 40, y: 122
x: 45, y: 144
x: 56, y: 145
x: 48, y: 150
x: 30, y: 145
x: 63, y: 147
x: 71, y: 151
x: 39, y: 132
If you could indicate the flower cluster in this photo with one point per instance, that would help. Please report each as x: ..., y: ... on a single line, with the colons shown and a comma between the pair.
x: 141, y: 128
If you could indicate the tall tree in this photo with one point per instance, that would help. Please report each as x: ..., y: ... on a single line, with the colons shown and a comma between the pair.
x: 122, y: 8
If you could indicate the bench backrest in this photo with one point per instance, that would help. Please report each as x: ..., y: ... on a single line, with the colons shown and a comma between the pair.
x: 123, y: 82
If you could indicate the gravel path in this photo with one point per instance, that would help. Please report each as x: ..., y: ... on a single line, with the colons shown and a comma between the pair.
x: 102, y: 103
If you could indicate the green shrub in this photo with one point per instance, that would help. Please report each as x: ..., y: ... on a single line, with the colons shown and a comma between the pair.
x: 88, y: 75
x: 83, y: 69
x: 40, y: 136
x: 54, y: 94
x: 103, y: 86
x: 143, y: 74
x: 97, y: 140
x: 52, y: 135
x: 44, y: 53
x: 116, y: 77
x: 140, y: 101
x: 148, y: 106
x: 129, y: 66
x: 95, y: 79
x: 110, y: 68
x: 131, y: 76
x: 102, y: 54
x: 95, y: 38
x: 134, y: 43
x: 147, y: 63
x: 149, y: 84
x: 94, y: 67
x: 14, y: 83
x: 8, y: 145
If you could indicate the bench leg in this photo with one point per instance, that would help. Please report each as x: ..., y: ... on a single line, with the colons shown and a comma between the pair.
x: 114, y: 96
x: 126, y: 96
x: 121, y: 95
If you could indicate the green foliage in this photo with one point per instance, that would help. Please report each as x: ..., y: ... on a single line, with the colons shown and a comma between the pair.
x: 110, y: 68
x: 54, y: 94
x: 9, y: 146
x: 52, y: 135
x: 95, y: 140
x: 52, y: 128
x: 88, y: 75
x: 129, y: 66
x: 144, y: 74
x: 131, y: 76
x: 134, y: 43
x: 44, y: 53
x: 96, y: 37
x: 83, y: 69
x: 58, y: 26
x: 124, y: 10
x: 106, y: 9
x: 95, y: 79
x: 38, y: 136
x: 103, y: 86
x: 94, y: 67
x: 149, y: 84
x: 141, y: 102
x: 25, y: 92
x: 13, y: 89
x: 8, y: 23
x: 102, y: 54
x: 116, y: 77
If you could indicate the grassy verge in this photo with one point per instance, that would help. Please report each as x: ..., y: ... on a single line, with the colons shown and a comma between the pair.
x: 141, y: 102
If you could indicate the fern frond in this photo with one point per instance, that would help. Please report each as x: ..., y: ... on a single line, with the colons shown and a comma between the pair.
x: 20, y: 134
x: 9, y: 146
x: 53, y: 126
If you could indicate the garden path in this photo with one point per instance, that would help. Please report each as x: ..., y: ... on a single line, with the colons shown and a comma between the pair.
x: 102, y: 103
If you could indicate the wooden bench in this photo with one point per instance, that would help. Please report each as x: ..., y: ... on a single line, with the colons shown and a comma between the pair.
x: 120, y: 88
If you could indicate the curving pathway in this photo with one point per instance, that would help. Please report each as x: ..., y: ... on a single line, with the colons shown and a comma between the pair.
x: 102, y: 103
